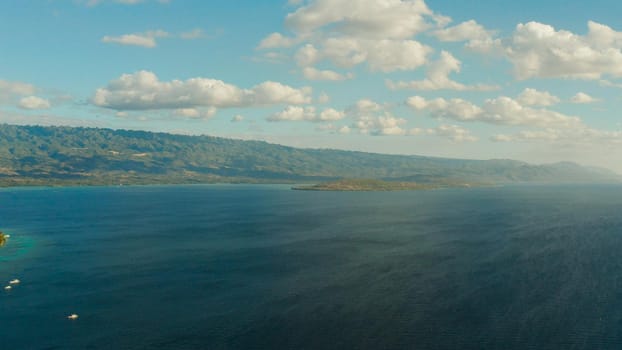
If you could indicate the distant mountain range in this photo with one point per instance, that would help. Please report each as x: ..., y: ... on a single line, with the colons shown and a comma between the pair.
x: 36, y: 155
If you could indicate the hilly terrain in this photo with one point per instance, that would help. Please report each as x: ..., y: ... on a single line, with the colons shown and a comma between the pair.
x: 36, y: 155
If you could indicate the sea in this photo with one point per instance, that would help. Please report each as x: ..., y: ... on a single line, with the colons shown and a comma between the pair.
x: 267, y: 267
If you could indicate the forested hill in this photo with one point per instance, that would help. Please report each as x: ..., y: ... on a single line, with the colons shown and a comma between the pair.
x: 67, y: 155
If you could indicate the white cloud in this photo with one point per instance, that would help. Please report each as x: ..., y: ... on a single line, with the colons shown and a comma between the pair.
x: 10, y: 90
x: 372, y: 118
x: 363, y: 18
x: 386, y: 124
x: 277, y: 40
x: 331, y: 114
x: 438, y: 77
x: 34, y: 102
x: 146, y: 39
x: 271, y: 92
x: 143, y: 90
x: 365, y: 106
x: 307, y: 55
x: 583, y: 98
x: 533, y: 97
x: 294, y: 113
x: 501, y: 110
x: 456, y: 108
x: 539, y: 50
x: 316, y: 74
x: 195, y: 113
x: 382, y: 55
x: 477, y: 37
x: 344, y: 130
x: 187, y: 112
x: 453, y: 132
x: 237, y: 118
x: 15, y: 88
x: 347, y: 33
x: 501, y: 138
x: 465, y: 31
x: 309, y: 113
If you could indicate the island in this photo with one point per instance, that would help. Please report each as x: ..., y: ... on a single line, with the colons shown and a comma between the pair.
x: 72, y: 156
x: 3, y: 239
x: 375, y: 185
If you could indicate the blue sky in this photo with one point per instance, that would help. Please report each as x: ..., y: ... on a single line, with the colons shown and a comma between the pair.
x: 535, y: 81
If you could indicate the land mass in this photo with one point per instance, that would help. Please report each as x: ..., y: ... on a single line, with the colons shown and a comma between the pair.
x: 64, y: 156
x: 377, y: 185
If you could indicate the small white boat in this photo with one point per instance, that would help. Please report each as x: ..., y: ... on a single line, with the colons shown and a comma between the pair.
x: 8, y: 288
x: 73, y: 317
x: 15, y: 281
x: 7, y: 236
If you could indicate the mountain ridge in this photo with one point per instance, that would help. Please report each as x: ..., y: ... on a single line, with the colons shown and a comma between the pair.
x: 40, y: 155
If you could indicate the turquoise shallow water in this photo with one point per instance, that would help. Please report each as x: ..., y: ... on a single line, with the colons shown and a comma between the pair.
x: 263, y: 267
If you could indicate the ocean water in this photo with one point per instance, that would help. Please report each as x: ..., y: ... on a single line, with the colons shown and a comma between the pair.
x: 264, y: 267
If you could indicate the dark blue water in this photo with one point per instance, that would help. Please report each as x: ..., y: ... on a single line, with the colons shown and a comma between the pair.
x: 264, y: 267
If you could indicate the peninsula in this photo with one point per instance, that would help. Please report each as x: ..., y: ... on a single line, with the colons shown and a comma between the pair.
x: 374, y: 185
x: 365, y: 185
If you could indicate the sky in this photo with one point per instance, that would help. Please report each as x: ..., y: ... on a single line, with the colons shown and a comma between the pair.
x: 538, y: 81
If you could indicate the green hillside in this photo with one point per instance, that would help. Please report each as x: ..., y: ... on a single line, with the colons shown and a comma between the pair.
x: 34, y: 155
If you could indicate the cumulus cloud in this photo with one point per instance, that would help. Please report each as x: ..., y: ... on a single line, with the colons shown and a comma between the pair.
x: 143, y: 91
x: 10, y: 90
x: 277, y: 40
x: 195, y: 113
x: 533, y: 97
x: 583, y: 98
x: 385, y: 124
x: 372, y: 118
x: 369, y: 118
x: 364, y: 18
x: 317, y: 74
x: 347, y: 33
x: 501, y: 110
x: 453, y: 132
x: 309, y: 113
x: 307, y: 55
x: 383, y: 55
x: 465, y: 31
x: 438, y: 77
x: 477, y: 37
x: 34, y: 102
x: 146, y: 39
x: 538, y: 50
